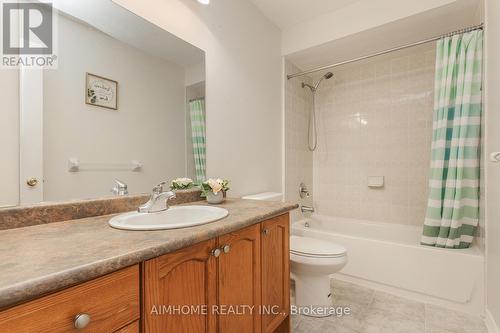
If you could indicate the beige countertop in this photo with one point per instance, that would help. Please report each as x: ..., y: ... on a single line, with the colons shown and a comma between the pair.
x: 41, y: 259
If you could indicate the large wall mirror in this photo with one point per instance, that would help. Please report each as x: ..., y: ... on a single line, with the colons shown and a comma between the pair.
x: 126, y: 102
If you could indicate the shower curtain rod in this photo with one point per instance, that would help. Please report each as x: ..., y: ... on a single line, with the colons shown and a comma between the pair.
x: 318, y: 69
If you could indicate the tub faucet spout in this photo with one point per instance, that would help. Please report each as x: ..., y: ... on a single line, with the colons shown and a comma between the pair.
x: 306, y: 209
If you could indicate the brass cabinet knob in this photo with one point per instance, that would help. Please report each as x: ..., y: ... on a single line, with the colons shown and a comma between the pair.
x: 216, y: 252
x: 81, y: 320
x: 226, y: 248
x: 32, y: 182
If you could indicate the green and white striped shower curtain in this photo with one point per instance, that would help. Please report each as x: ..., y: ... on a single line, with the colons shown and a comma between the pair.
x: 197, y: 115
x: 453, y: 204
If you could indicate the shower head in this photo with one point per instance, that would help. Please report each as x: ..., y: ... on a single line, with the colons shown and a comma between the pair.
x: 327, y: 76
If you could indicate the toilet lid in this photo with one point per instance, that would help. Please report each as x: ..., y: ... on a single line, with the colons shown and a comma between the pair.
x: 307, y: 246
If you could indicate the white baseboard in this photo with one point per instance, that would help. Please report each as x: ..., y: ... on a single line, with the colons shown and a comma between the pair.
x: 491, y: 325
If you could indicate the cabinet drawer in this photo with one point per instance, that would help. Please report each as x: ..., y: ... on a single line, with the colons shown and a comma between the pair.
x: 111, y: 301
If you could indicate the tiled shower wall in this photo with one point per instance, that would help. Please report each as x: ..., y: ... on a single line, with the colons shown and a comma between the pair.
x: 299, y: 160
x: 375, y: 119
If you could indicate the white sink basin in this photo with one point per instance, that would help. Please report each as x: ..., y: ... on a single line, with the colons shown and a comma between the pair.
x: 173, y: 218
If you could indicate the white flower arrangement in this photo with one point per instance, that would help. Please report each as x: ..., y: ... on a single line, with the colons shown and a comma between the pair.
x: 181, y: 184
x: 215, y: 185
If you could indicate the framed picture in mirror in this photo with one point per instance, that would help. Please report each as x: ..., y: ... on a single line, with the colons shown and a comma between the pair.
x: 101, y: 91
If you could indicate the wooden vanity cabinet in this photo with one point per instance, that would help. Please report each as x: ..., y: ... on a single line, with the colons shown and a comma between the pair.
x: 242, y: 277
x: 132, y: 328
x: 238, y: 282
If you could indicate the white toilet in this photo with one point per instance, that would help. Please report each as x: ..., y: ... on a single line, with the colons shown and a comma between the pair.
x: 312, y: 261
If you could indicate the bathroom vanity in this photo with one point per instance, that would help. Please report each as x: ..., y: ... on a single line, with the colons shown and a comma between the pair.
x: 226, y: 276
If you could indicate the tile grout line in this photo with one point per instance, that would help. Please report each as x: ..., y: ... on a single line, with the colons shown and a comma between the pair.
x: 425, y: 318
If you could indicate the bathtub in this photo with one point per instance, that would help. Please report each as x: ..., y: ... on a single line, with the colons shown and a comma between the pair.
x: 389, y: 257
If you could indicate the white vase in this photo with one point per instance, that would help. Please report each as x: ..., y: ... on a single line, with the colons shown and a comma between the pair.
x: 215, y: 198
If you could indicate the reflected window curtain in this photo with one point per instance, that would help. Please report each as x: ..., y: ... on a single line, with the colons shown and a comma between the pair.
x: 453, y: 205
x: 197, y: 116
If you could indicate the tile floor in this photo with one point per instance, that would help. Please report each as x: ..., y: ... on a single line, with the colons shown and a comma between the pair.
x: 378, y: 312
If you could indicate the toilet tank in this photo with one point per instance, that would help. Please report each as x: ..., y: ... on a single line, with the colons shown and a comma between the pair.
x: 266, y: 196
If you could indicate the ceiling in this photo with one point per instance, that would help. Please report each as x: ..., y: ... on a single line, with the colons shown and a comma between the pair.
x: 286, y: 13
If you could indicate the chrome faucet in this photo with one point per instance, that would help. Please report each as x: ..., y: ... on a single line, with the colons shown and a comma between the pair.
x: 306, y: 209
x: 120, y: 188
x: 303, y: 191
x: 158, y: 202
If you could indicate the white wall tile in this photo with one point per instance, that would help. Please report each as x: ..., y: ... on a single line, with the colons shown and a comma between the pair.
x: 374, y: 119
x: 299, y: 160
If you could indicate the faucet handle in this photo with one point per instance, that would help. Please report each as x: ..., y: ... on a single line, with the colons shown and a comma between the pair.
x: 303, y: 191
x: 159, y: 187
x: 120, y: 188
x: 120, y: 184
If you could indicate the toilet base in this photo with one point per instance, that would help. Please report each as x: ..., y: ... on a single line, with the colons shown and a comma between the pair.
x: 312, y: 295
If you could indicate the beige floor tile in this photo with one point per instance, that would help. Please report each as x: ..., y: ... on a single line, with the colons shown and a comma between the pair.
x: 321, y: 325
x: 294, y: 322
x: 345, y: 293
x: 311, y: 324
x: 379, y: 312
x: 378, y: 320
x: 438, y: 319
x: 398, y: 307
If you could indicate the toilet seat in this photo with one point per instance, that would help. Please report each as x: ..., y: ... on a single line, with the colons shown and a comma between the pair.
x: 315, y: 248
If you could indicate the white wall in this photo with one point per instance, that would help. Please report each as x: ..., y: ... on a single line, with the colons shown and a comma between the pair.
x: 195, y: 74
x: 244, y: 76
x: 148, y: 125
x: 493, y: 170
x: 9, y: 137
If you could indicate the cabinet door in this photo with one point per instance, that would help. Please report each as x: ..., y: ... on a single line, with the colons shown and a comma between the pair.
x: 275, y: 272
x: 132, y: 328
x: 177, y: 287
x: 239, y: 282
